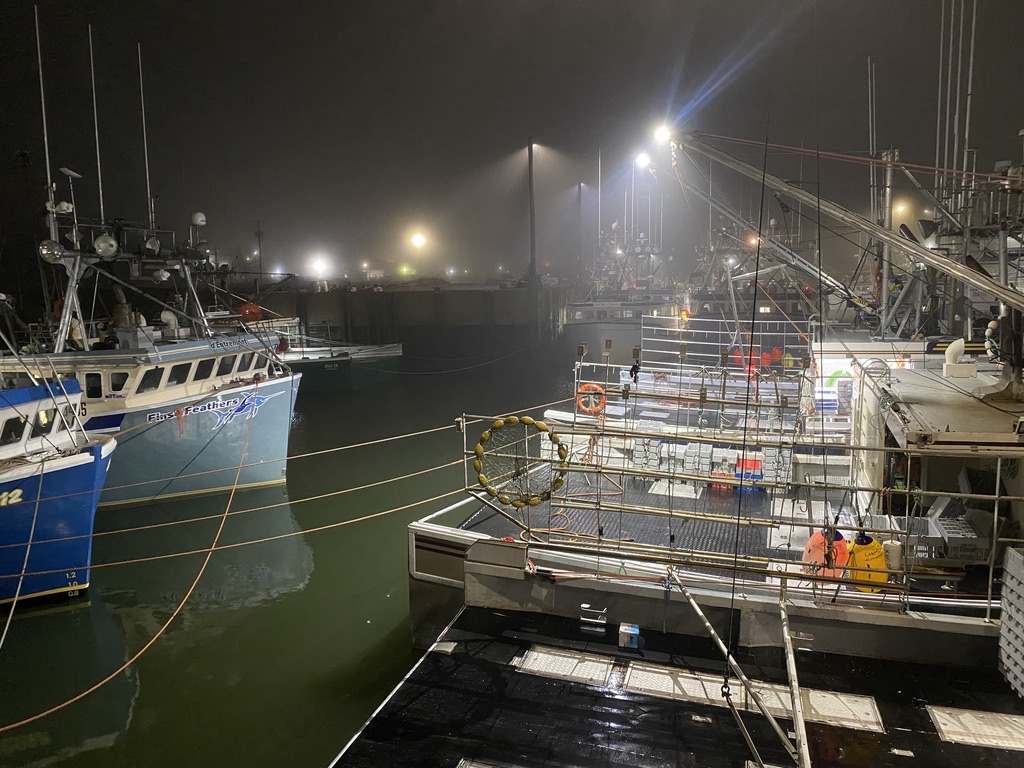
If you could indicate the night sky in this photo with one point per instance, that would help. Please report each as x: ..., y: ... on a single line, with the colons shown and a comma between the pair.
x: 343, y: 127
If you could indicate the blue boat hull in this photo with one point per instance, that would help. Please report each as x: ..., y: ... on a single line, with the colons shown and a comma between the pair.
x: 63, y: 502
x: 189, y: 447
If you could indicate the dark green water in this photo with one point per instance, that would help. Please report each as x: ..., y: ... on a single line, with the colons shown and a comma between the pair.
x: 286, y: 646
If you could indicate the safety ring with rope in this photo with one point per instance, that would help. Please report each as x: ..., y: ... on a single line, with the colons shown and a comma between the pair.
x: 590, y: 398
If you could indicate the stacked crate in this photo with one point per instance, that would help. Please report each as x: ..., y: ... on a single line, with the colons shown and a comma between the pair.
x: 673, y: 457
x: 1011, y: 630
x: 697, y: 459
x: 777, y: 466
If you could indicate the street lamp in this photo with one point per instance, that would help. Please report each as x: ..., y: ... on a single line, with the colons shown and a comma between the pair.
x: 418, y: 240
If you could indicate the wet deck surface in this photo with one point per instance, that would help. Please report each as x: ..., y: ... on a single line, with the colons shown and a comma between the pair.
x: 472, y: 704
x: 551, y: 521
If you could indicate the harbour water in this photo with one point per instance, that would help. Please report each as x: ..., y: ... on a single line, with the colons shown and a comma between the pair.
x: 286, y: 645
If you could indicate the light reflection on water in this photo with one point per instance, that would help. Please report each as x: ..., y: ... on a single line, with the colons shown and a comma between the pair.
x: 285, y: 646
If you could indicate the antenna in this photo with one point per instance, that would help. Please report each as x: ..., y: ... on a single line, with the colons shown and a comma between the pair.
x: 145, y: 143
x: 50, y: 218
x: 96, y: 127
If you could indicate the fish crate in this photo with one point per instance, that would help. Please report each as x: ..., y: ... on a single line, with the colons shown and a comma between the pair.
x: 961, y: 542
x: 924, y: 542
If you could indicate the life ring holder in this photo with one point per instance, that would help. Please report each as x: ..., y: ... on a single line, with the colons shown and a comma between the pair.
x: 520, y: 500
x: 591, y: 398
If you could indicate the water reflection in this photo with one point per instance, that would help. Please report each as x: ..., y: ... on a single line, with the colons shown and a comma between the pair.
x: 51, y: 654
x: 261, y: 554
x: 56, y: 651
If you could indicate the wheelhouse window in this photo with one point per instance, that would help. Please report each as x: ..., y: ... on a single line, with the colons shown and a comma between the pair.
x: 94, y: 385
x: 12, y: 430
x: 245, y: 363
x: 262, y: 361
x: 43, y: 422
x: 118, y: 380
x: 203, y: 369
x: 227, y: 363
x: 179, y: 374
x: 67, y: 420
x: 150, y: 380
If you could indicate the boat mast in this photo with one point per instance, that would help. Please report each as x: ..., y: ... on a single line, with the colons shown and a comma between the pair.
x: 96, y: 129
x: 145, y: 145
x: 51, y: 219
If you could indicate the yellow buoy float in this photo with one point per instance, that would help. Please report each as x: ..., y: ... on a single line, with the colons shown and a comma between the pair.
x: 867, y: 554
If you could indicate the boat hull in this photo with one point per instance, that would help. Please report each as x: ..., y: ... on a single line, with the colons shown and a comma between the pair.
x: 62, y: 501
x: 343, y: 374
x: 237, y: 437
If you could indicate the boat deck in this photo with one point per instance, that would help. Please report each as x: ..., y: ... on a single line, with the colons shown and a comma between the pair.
x: 552, y: 522
x: 473, y: 700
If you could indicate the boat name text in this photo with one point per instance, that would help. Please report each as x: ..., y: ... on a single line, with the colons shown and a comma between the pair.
x: 213, y: 405
x: 226, y: 343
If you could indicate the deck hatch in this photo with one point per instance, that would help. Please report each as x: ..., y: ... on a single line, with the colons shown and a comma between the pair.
x: 841, y: 710
x: 588, y: 668
x: 980, y: 729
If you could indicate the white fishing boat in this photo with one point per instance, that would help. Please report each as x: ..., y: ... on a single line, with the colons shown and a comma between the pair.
x: 775, y: 486
x: 195, y: 412
x: 195, y: 409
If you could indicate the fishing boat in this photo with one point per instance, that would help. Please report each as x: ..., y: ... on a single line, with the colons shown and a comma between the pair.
x: 330, y: 366
x: 51, y: 475
x: 796, y: 493
x: 196, y: 410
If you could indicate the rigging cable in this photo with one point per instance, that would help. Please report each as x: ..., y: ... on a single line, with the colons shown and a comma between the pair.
x: 726, y: 672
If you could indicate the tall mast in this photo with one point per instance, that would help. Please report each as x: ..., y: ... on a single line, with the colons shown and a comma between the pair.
x: 145, y: 144
x: 51, y: 219
x: 96, y: 127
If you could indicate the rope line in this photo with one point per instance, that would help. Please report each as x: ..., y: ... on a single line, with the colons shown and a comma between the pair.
x: 170, y: 619
x: 214, y: 547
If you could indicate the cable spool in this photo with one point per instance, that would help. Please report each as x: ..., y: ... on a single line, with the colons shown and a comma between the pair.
x: 869, y: 554
x: 590, y: 398
x: 499, y: 461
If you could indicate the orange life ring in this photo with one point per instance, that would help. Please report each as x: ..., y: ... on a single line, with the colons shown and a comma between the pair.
x: 591, y: 398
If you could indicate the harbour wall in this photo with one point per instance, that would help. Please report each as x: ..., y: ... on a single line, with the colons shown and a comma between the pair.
x: 428, y: 322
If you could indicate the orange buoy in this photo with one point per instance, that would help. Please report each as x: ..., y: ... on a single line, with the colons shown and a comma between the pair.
x: 250, y: 312
x: 590, y: 398
x: 825, y: 555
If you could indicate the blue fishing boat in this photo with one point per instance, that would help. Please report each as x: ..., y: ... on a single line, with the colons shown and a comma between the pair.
x: 51, y: 475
